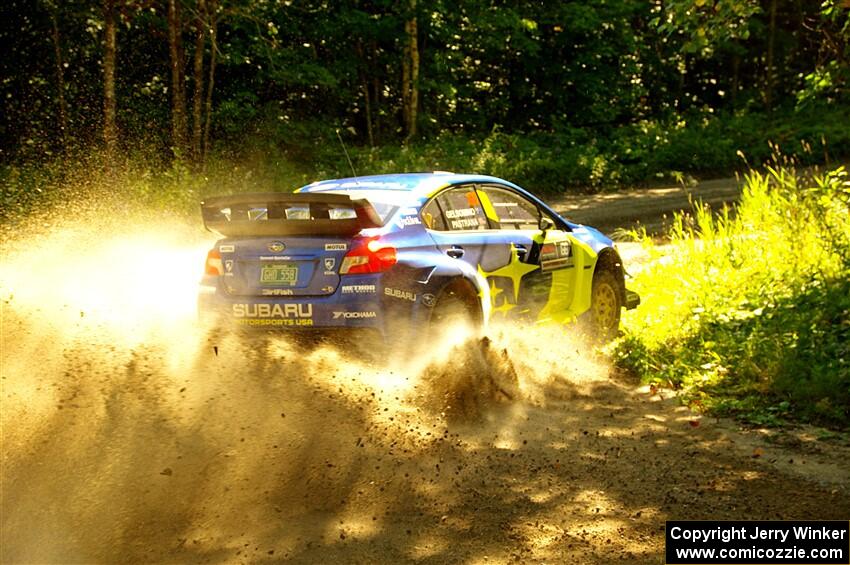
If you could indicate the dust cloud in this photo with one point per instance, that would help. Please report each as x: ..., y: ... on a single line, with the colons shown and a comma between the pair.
x: 131, y: 433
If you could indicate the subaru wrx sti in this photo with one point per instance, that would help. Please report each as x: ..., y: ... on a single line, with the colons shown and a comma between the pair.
x: 403, y: 253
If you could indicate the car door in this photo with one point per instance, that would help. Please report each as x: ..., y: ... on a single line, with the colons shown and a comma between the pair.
x: 460, y: 228
x: 551, y: 275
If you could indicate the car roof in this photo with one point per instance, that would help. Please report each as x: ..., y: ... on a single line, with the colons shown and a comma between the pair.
x: 417, y: 184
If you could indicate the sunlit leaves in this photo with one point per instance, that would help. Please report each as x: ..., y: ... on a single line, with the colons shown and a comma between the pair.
x: 755, y: 305
x: 705, y: 25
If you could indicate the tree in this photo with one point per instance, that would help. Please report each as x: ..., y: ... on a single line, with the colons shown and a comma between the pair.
x: 367, y: 98
x: 110, y: 129
x: 178, y: 86
x: 201, y: 25
x: 60, y: 75
x: 410, y: 73
x: 769, y: 65
x: 708, y: 31
x: 829, y: 80
x: 212, y: 19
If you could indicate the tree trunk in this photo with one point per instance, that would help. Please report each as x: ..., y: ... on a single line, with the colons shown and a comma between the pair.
x: 364, y: 82
x: 213, y: 27
x: 736, y: 78
x: 771, y: 45
x: 405, y: 88
x: 198, y: 95
x: 178, y: 88
x: 368, y: 113
x: 376, y: 94
x: 410, y: 73
x: 110, y: 130
x: 60, y: 79
x: 683, y: 72
x: 414, y: 73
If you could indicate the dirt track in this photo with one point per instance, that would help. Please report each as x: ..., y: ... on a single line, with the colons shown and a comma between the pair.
x: 128, y: 435
x: 650, y: 208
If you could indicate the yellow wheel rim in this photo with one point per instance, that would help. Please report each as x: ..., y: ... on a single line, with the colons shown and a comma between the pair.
x: 605, y: 306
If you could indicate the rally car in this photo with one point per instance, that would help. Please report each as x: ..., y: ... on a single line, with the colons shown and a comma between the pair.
x: 404, y: 253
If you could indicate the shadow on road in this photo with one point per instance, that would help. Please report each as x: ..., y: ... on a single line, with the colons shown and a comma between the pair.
x: 258, y: 451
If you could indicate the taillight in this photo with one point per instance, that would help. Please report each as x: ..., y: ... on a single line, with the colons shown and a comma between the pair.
x: 213, y: 265
x: 368, y: 255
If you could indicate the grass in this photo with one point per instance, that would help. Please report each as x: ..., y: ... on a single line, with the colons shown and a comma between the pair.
x: 748, y: 311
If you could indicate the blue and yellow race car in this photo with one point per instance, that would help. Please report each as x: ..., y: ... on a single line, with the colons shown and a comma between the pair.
x: 404, y: 253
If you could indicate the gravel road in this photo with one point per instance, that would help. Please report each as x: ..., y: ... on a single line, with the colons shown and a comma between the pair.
x: 130, y: 435
x: 649, y: 208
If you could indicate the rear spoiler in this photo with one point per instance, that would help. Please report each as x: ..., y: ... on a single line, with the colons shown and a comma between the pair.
x: 266, y: 214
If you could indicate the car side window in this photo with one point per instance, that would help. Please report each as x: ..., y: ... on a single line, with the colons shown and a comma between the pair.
x: 432, y: 217
x: 511, y: 210
x: 462, y: 210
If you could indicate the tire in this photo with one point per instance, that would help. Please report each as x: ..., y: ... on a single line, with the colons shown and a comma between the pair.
x: 606, y: 306
x: 452, y: 308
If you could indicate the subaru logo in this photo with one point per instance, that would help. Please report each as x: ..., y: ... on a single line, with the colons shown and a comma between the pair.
x: 276, y: 246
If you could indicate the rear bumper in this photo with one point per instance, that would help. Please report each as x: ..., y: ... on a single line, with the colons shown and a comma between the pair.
x: 359, y: 302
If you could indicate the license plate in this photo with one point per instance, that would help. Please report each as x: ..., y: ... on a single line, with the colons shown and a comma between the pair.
x: 285, y: 275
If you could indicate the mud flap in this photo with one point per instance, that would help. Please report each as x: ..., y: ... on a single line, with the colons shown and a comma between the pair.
x: 632, y: 299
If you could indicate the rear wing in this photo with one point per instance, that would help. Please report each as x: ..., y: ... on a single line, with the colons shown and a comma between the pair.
x: 275, y: 214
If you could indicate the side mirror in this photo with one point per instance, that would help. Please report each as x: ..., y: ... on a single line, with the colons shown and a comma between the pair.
x: 546, y: 224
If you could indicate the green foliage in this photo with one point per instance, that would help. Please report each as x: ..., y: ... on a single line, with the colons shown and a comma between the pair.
x: 280, y: 154
x: 532, y: 70
x: 641, y: 153
x: 830, y: 79
x: 706, y: 25
x: 749, y: 312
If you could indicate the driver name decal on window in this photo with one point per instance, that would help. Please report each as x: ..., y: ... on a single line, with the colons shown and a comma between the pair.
x: 465, y: 218
x: 462, y: 210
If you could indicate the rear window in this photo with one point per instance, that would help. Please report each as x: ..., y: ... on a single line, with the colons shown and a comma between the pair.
x: 294, y: 211
x: 291, y: 214
x: 433, y: 216
x: 384, y: 202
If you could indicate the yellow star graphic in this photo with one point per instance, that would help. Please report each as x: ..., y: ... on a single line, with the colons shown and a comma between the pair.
x: 514, y: 270
x: 494, y: 290
x: 504, y: 307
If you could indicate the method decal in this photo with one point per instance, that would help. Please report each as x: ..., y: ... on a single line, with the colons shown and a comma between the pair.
x: 358, y: 289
